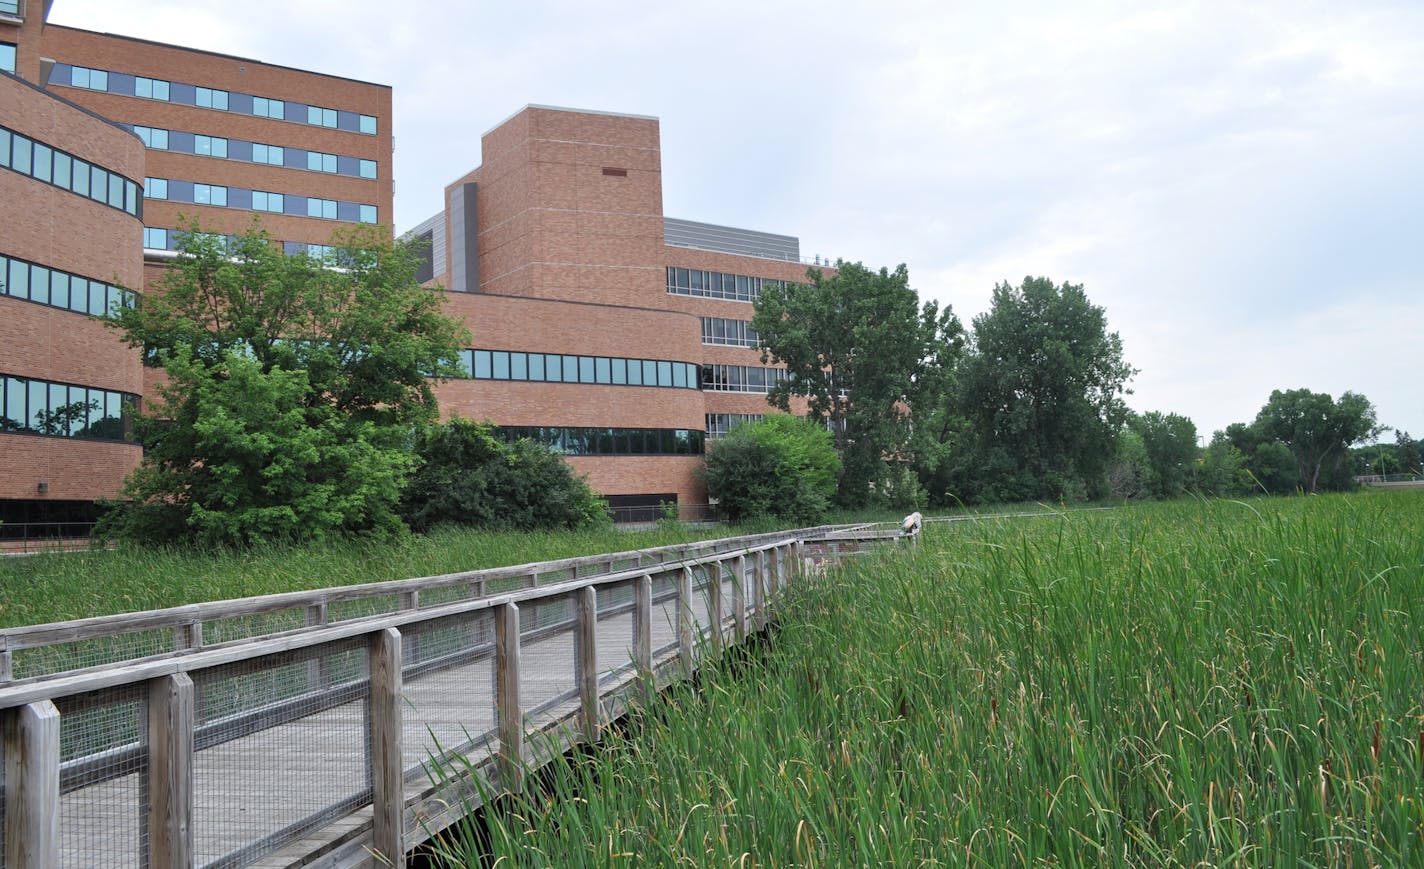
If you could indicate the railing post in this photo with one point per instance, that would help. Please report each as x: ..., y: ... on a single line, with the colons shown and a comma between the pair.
x: 643, y: 625
x: 759, y: 589
x: 739, y: 598
x: 586, y: 662
x: 387, y: 768
x: 686, y: 626
x: 318, y: 672
x: 511, y: 711
x: 188, y: 635
x: 32, y: 786
x: 170, y: 772
x: 6, y: 664
x: 714, y: 603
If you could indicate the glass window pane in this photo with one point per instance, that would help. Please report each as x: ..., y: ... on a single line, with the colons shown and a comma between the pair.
x: 21, y: 152
x: 553, y: 368
x: 98, y: 299
x: 39, y: 284
x: 650, y: 373
x: 601, y: 372
x: 98, y: 183
x: 571, y: 372
x: 500, y: 358
x: 59, y: 289
x: 18, y: 281
x: 16, y: 416
x: 635, y: 372
x: 518, y: 366
x: 4, y: 148
x: 664, y: 374
x: 620, y: 371
x: 368, y: 125
x: 536, y: 366
x: 368, y: 168
x: 482, y: 364
x: 368, y: 214
x: 81, y: 178
x: 679, y: 376
x: 43, y: 162
x: 585, y: 369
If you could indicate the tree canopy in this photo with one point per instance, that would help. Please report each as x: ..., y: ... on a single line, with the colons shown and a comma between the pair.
x: 293, y: 386
x: 778, y: 466
x: 864, y: 352
x: 1040, y: 396
x: 1318, y: 431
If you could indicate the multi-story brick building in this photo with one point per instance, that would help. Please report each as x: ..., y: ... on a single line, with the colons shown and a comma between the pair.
x: 107, y: 144
x: 600, y: 326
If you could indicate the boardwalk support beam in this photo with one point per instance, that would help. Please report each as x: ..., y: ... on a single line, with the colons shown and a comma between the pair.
x: 170, y: 772
x: 586, y: 663
x: 512, y: 759
x: 32, y: 786
x: 387, y: 770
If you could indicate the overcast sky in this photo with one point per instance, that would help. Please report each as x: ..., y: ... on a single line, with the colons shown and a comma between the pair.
x: 1238, y: 184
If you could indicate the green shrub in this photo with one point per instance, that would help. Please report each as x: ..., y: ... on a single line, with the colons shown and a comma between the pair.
x: 470, y: 477
x: 779, y: 466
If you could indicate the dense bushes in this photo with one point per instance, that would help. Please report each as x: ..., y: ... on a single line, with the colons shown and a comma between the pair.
x: 470, y: 477
x: 779, y: 466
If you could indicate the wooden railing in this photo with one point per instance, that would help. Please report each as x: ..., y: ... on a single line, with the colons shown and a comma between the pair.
x: 350, y: 742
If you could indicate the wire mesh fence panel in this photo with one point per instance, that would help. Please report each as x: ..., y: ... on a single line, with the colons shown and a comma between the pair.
x: 447, y: 703
x: 103, y: 763
x: 281, y: 749
x: 75, y: 655
x: 547, y: 654
x: 433, y: 597
x: 253, y: 625
x: 665, y: 613
x: 616, y: 641
x: 360, y: 608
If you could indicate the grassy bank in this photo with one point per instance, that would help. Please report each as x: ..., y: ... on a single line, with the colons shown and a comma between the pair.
x: 55, y: 587
x: 1225, y: 682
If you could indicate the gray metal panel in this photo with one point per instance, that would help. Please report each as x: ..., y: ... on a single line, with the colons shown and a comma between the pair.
x: 435, y: 226
x: 464, y: 253
x: 730, y: 239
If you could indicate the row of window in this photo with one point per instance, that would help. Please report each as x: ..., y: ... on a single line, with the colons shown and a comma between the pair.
x: 716, y: 285
x: 63, y: 410
x: 7, y: 54
x: 174, y: 190
x: 741, y: 378
x: 211, y: 98
x: 729, y: 333
x: 611, y: 441
x: 718, y: 424
x: 53, y: 166
x: 181, y: 142
x: 27, y: 280
x: 561, y: 368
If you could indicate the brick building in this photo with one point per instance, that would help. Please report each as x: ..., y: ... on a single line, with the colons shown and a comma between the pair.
x: 105, y: 142
x: 599, y: 326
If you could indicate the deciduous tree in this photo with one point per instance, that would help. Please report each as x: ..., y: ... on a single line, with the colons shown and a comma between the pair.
x: 293, y: 389
x: 1318, y: 431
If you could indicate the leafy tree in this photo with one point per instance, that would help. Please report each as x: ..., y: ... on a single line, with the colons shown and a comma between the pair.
x: 1170, y: 442
x: 1318, y: 431
x: 1040, y: 394
x: 470, y: 477
x: 778, y: 466
x: 1221, y: 470
x: 1408, y: 453
x: 1130, y: 472
x: 865, y: 354
x: 293, y: 388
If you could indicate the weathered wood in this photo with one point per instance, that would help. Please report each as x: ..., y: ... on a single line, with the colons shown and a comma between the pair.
x: 170, y: 772
x: 31, y: 735
x: 643, y: 624
x: 739, y: 598
x: 686, y: 625
x: 512, y: 755
x: 387, y: 770
x: 714, y: 606
x: 586, y: 665
x: 188, y: 635
x: 759, y: 602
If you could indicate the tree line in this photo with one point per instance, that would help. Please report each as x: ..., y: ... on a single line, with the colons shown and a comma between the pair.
x: 1029, y: 403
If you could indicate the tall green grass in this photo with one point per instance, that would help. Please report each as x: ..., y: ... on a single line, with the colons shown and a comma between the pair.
x: 59, y: 586
x: 1196, y: 683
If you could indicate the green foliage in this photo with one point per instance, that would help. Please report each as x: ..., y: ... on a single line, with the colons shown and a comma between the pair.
x: 864, y: 353
x: 292, y: 389
x: 1221, y: 470
x: 470, y: 477
x: 1130, y: 473
x: 1170, y: 442
x: 1318, y: 431
x: 779, y: 466
x: 1040, y: 393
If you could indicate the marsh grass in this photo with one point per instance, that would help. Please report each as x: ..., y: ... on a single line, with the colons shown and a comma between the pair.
x: 56, y: 587
x: 1195, y: 683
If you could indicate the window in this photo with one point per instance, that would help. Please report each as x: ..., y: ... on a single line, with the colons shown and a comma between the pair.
x: 210, y: 99
x: 155, y: 188
x: 269, y: 154
x: 153, y: 138
x: 62, y: 410
x: 265, y: 108
x: 318, y: 162
x: 368, y: 214
x: 7, y: 54
x: 368, y: 125
x: 211, y: 146
x: 150, y: 88
x: 52, y: 166
x: 320, y: 117
x: 90, y: 79
x: 325, y: 208
x: 155, y: 238
x: 262, y: 201
x: 209, y: 194
x: 368, y: 169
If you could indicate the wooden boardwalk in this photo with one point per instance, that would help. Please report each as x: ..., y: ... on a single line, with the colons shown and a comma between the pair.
x: 318, y: 747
